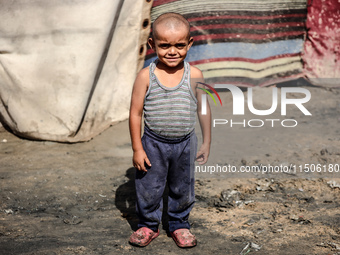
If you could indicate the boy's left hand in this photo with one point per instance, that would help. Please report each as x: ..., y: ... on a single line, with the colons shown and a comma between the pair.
x: 203, y: 154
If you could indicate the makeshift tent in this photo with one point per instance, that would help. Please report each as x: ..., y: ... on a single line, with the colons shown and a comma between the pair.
x: 67, y: 67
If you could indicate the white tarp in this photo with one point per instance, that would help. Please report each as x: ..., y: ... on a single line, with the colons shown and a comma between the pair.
x: 67, y: 66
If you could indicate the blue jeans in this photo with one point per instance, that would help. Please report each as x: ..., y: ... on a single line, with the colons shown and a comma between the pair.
x: 172, y: 161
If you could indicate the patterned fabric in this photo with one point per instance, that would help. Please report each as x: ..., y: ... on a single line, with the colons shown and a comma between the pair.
x: 322, y: 47
x: 242, y: 42
x: 170, y: 112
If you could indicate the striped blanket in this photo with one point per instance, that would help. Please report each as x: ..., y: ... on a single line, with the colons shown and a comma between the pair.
x: 248, y: 42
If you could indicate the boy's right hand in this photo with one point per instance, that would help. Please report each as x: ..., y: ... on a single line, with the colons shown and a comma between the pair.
x: 140, y: 160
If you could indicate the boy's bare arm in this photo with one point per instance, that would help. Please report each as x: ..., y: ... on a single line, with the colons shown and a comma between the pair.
x: 135, y: 120
x: 204, y: 120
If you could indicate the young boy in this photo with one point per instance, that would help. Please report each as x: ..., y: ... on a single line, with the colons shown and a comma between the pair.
x: 167, y: 93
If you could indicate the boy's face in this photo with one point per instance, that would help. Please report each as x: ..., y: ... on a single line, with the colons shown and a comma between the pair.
x: 171, y: 45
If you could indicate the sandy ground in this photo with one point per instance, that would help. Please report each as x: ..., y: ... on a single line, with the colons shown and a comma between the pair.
x: 79, y: 198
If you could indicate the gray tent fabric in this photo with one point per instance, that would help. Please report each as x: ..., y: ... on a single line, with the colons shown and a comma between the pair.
x: 67, y: 66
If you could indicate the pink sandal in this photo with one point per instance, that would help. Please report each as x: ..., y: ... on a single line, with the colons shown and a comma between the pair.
x: 183, y: 238
x: 143, y: 236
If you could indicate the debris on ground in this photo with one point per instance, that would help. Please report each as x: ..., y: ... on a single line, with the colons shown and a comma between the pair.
x: 250, y: 246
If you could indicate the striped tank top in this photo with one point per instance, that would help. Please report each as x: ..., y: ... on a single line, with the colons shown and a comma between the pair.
x: 170, y: 112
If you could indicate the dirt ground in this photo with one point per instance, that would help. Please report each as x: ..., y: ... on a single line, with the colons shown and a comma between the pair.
x: 79, y: 198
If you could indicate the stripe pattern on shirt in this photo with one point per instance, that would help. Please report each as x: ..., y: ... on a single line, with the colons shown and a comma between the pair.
x: 170, y: 112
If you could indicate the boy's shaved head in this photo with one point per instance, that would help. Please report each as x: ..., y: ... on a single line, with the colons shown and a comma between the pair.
x: 170, y: 20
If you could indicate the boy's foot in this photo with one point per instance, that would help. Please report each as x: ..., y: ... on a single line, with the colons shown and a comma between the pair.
x: 143, y: 236
x: 183, y: 238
